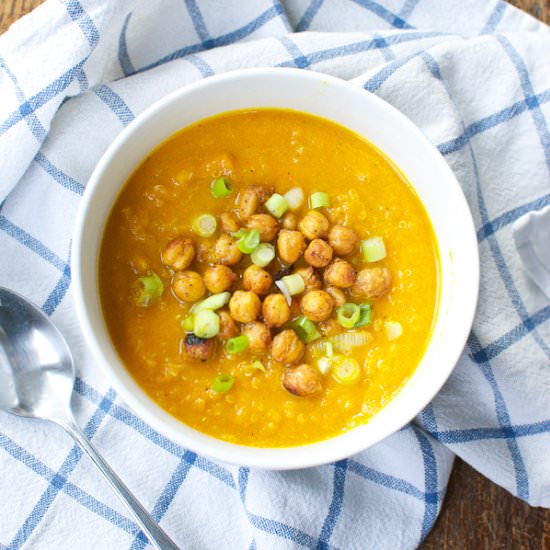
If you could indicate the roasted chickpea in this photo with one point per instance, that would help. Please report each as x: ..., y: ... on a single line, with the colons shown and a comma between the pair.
x: 257, y: 280
x: 249, y: 200
x: 178, y: 254
x: 228, y: 327
x: 318, y: 253
x: 229, y: 222
x: 218, y: 278
x: 340, y: 274
x: 310, y: 278
x: 317, y: 305
x: 290, y: 221
x: 267, y: 226
x: 343, y: 240
x: 372, y: 283
x: 330, y: 327
x: 287, y: 347
x: 199, y: 348
x: 290, y: 245
x: 275, y: 310
x: 259, y: 336
x: 314, y: 225
x: 244, y: 306
x: 188, y: 286
x: 226, y: 251
x: 337, y: 295
x: 302, y: 380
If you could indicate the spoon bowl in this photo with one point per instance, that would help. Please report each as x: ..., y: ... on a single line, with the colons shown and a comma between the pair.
x: 36, y: 381
x: 36, y: 365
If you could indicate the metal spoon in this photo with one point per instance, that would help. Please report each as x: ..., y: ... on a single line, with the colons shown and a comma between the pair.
x: 36, y: 380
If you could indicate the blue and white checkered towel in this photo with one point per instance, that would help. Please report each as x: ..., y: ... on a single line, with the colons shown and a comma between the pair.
x: 474, y: 75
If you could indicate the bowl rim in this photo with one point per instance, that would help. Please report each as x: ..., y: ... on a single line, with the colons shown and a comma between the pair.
x: 279, y: 458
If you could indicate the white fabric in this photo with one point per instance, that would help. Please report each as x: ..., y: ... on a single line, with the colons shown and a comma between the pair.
x: 474, y: 75
x: 532, y: 236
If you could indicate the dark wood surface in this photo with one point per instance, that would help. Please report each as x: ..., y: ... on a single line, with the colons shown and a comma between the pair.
x: 476, y: 514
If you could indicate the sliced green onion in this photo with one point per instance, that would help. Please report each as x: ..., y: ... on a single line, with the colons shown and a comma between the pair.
x: 306, y: 330
x: 324, y: 364
x: 290, y: 285
x: 205, y: 225
x: 238, y: 344
x: 373, y: 249
x: 258, y: 365
x: 393, y: 330
x: 294, y: 197
x: 284, y: 291
x: 207, y: 324
x: 346, y: 370
x: 216, y: 301
x: 347, y: 340
x: 223, y: 383
x: 348, y: 314
x: 148, y: 290
x: 294, y: 283
x: 263, y: 255
x: 188, y: 323
x: 319, y: 200
x: 342, y: 343
x: 365, y: 316
x: 277, y: 205
x: 239, y: 233
x: 249, y: 241
x: 221, y: 187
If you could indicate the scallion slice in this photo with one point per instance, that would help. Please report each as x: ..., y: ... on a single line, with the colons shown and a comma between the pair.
x: 365, y: 315
x: 277, y: 205
x: 306, y: 330
x: 373, y: 249
x: 188, y: 324
x: 223, y: 383
x: 205, y: 225
x: 319, y: 200
x: 324, y: 364
x: 258, y: 365
x: 249, y: 241
x: 148, y: 290
x: 345, y: 370
x: 347, y: 340
x: 221, y: 187
x: 263, y: 255
x: 294, y: 197
x: 238, y: 344
x: 284, y: 290
x: 216, y: 301
x: 294, y: 283
x: 206, y: 324
x: 348, y: 314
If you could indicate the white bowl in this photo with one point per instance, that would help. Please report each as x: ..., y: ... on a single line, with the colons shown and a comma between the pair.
x: 362, y: 113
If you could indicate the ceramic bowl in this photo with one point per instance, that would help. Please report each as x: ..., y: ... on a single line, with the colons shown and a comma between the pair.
x: 355, y: 109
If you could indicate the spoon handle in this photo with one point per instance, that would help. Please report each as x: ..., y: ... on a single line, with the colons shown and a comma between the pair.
x: 154, y: 532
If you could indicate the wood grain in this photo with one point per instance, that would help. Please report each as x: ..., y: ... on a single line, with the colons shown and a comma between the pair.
x: 537, y: 8
x: 11, y: 10
x: 476, y: 514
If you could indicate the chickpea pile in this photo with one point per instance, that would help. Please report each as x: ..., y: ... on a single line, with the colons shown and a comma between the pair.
x: 311, y: 247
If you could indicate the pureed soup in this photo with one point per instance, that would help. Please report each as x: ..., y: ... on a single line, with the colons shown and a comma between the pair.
x: 269, y: 278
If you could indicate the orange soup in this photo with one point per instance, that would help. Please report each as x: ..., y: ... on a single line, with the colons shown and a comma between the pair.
x: 269, y: 278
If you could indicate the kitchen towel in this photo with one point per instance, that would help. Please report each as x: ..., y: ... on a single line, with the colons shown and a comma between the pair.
x: 474, y: 75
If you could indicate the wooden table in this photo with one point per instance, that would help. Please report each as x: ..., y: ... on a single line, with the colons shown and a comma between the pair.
x: 476, y: 513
